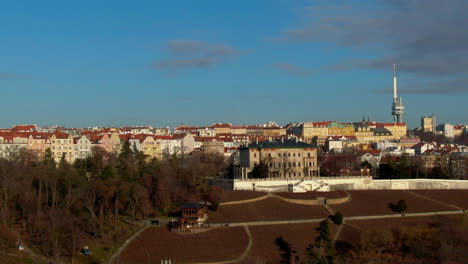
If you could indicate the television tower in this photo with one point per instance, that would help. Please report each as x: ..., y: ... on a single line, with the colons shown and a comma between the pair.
x: 397, y: 106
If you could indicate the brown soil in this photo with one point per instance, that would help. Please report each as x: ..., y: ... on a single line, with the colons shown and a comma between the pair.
x: 376, y: 202
x: 454, y: 197
x: 270, y: 209
x: 265, y: 250
x: 229, y: 196
x: 352, y: 230
x: 154, y: 244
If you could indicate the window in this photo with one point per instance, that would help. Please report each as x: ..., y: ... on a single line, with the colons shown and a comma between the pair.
x: 308, y: 154
x: 255, y: 155
x: 279, y: 155
x: 294, y: 154
x: 298, y: 164
x: 289, y: 154
x: 298, y: 154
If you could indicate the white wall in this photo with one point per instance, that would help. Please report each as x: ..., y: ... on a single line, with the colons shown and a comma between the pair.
x: 347, y: 183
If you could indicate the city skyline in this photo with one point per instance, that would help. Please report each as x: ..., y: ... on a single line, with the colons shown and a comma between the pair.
x: 92, y: 64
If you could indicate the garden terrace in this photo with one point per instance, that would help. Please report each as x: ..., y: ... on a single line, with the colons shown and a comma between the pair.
x: 457, y: 198
x: 270, y: 209
x: 352, y: 230
x: 265, y: 248
x: 376, y: 202
x: 230, y: 196
x: 215, y: 245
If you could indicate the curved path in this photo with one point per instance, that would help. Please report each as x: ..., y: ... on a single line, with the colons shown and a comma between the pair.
x: 114, y: 256
x: 242, y: 257
x: 348, y: 218
x: 301, y: 221
x: 340, y: 200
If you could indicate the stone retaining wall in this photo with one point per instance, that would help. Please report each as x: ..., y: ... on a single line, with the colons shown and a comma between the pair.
x: 346, y: 183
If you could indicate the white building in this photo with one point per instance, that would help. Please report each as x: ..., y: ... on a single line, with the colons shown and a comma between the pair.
x: 206, y: 132
x: 82, y: 147
x: 447, y: 130
x: 177, y: 143
x: 11, y: 145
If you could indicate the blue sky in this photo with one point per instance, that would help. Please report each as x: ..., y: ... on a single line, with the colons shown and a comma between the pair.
x: 164, y: 63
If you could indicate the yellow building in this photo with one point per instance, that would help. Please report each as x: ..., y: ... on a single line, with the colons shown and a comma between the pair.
x: 428, y: 123
x: 339, y: 129
x: 398, y: 130
x: 286, y: 158
x: 151, y: 147
x: 238, y: 130
x: 315, y: 129
x: 61, y: 145
x: 381, y: 134
x: 115, y: 144
x: 363, y: 133
x: 222, y: 128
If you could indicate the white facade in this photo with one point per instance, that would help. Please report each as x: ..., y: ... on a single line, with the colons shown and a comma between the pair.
x: 206, y: 132
x: 229, y: 144
x: 336, y: 145
x: 135, y: 143
x: 447, y: 130
x: 11, y: 146
x: 83, y: 148
x: 384, y: 145
x: 324, y: 184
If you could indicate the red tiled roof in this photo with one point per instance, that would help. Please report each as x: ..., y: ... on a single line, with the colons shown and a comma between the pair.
x: 95, y: 138
x: 125, y: 137
x: 24, y: 128
x: 380, y: 125
x: 418, y: 145
x: 187, y: 128
x: 179, y: 136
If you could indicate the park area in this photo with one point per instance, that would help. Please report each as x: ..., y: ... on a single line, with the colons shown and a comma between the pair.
x: 270, y: 209
x: 157, y: 243
x: 269, y: 238
x: 376, y: 202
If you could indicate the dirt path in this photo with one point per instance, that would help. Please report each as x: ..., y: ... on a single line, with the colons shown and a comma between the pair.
x: 350, y: 218
x: 434, y: 200
x: 242, y: 257
x: 113, y: 258
x: 338, y: 232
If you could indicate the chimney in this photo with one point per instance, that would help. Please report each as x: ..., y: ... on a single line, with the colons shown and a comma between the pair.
x: 282, y: 139
x: 256, y: 140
